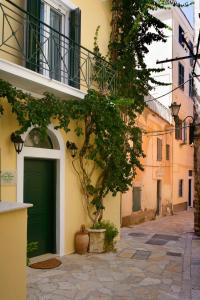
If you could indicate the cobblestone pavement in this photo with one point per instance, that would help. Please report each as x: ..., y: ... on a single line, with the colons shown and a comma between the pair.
x: 157, y: 260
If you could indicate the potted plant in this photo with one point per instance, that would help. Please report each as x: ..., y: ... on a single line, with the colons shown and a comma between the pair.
x: 102, y: 237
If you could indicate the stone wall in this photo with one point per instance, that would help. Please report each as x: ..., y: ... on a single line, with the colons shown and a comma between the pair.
x: 139, y: 217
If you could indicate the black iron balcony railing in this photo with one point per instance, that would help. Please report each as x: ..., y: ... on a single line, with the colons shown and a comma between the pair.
x: 37, y: 46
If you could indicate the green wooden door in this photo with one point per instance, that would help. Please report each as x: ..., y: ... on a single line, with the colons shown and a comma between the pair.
x: 39, y: 189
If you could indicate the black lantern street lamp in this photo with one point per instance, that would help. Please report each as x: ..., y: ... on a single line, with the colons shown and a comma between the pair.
x: 17, y: 141
x: 174, y: 111
x: 174, y: 107
x: 72, y: 148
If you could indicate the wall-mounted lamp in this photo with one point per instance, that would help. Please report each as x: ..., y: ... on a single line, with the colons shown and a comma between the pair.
x: 174, y: 107
x: 72, y: 148
x: 175, y: 111
x: 17, y: 141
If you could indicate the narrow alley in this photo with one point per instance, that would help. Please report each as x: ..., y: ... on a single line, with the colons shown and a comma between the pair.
x: 156, y: 260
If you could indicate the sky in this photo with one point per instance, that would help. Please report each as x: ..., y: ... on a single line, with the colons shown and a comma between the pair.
x: 188, y: 12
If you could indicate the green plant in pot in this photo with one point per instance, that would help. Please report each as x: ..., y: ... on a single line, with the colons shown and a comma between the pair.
x: 111, y: 233
x: 31, y: 247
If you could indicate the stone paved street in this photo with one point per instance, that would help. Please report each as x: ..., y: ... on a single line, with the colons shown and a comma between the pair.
x: 157, y: 260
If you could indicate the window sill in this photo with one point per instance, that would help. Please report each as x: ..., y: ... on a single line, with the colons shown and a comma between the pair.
x: 183, y: 143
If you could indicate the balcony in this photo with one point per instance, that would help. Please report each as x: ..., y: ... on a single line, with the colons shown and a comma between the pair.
x: 36, y: 57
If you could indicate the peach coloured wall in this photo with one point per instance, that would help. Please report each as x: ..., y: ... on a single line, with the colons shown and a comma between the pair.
x: 153, y: 170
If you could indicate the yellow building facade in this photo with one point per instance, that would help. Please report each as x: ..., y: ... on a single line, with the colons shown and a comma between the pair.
x: 37, y: 59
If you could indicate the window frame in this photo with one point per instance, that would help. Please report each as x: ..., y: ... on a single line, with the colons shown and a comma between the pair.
x: 181, y: 75
x: 190, y: 173
x: 64, y: 13
x: 191, y: 86
x: 178, y: 129
x: 138, y: 201
x: 184, y: 132
x: 159, y: 149
x: 192, y: 47
x: 180, y: 35
x: 167, y: 151
x: 180, y: 188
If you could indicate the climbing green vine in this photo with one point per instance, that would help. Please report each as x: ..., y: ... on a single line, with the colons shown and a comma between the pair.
x: 109, y: 149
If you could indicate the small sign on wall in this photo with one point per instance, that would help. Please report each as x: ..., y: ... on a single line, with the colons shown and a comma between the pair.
x: 8, y: 177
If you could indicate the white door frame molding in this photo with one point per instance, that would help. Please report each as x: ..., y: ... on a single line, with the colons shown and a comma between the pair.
x: 59, y: 156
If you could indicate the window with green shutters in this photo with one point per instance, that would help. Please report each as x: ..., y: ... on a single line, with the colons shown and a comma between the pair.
x: 53, y: 41
x: 33, y: 35
x: 74, y: 47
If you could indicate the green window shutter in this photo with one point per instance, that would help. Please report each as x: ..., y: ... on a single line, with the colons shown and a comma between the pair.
x: 136, y: 199
x: 55, y: 45
x: 74, y: 47
x: 33, y: 35
x: 159, y: 149
x: 191, y: 133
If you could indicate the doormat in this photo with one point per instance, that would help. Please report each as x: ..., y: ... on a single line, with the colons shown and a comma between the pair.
x: 46, y: 264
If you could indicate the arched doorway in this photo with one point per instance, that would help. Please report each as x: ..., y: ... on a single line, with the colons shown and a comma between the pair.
x: 40, y: 168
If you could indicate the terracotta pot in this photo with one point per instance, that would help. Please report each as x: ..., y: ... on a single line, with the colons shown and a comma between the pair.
x: 97, y: 240
x: 81, y: 241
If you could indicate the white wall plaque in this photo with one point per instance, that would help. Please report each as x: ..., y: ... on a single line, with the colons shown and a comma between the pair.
x: 8, y: 177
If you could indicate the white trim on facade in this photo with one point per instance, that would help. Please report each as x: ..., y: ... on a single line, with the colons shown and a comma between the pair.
x: 34, y: 82
x: 59, y: 156
x: 62, y: 4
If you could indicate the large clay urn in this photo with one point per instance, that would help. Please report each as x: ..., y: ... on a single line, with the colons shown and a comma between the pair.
x: 81, y: 241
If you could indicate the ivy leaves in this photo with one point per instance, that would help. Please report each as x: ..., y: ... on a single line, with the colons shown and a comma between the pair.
x: 134, y: 28
x: 104, y: 137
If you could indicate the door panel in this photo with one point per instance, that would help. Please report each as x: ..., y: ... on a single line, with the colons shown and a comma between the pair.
x: 39, y: 189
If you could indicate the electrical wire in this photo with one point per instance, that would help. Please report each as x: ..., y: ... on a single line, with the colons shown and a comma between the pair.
x: 168, y: 130
x: 171, y: 90
x: 193, y: 75
x: 155, y: 166
x: 165, y: 132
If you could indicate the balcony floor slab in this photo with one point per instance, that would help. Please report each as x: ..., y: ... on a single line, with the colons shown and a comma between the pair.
x: 36, y: 83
